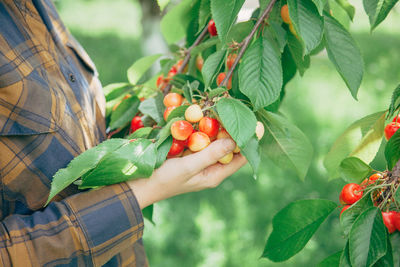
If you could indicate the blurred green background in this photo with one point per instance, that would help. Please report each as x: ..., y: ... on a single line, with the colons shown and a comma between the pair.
x: 229, y: 225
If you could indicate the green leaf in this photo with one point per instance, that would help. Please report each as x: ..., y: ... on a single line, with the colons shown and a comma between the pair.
x: 344, y: 54
x: 82, y: 164
x: 392, y: 150
x: 148, y: 213
x: 134, y: 160
x: 285, y: 144
x: 395, y: 102
x: 166, y: 131
x: 140, y: 133
x: 239, y: 31
x: 224, y: 14
x: 204, y: 12
x: 115, y: 90
x: 293, y: 227
x: 377, y: 10
x: 277, y: 34
x: 354, y: 170
x: 331, y: 261
x: 204, y: 45
x: 395, y: 241
x: 239, y: 121
x: 154, y: 107
x: 397, y: 195
x: 350, y: 10
x: 387, y: 260
x: 177, y: 112
x: 162, y: 4
x: 362, y: 140
x: 252, y: 152
x: 345, y: 257
x: 350, y: 215
x: 162, y: 151
x: 188, y: 91
x: 296, y: 50
x: 367, y: 240
x: 217, y: 91
x: 140, y: 67
x: 320, y: 4
x: 124, y: 113
x: 260, y: 73
x: 176, y: 21
x: 307, y: 22
x: 211, y: 67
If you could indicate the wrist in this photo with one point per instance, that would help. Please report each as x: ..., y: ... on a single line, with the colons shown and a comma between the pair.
x: 145, y: 191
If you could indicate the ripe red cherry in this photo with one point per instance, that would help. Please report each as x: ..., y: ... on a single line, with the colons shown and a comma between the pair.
x: 168, y: 111
x: 181, y: 130
x: 161, y: 82
x: 371, y: 180
x: 209, y: 126
x: 173, y: 100
x: 390, y: 129
x: 172, y: 72
x: 176, y: 148
x: 388, y: 220
x: 344, y: 208
x: 230, y: 60
x: 198, y: 141
x: 211, y: 28
x: 396, y: 119
x: 136, y: 123
x: 220, y: 79
x: 396, y: 220
x: 351, y: 193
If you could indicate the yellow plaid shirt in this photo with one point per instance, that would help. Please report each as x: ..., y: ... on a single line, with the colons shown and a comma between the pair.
x: 51, y: 110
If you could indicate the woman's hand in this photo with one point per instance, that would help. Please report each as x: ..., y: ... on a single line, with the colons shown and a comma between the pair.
x: 194, y: 172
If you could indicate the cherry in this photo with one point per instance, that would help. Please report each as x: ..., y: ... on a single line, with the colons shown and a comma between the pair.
x: 198, y: 141
x: 230, y: 60
x: 168, y: 111
x: 179, y: 64
x: 351, y: 193
x: 161, y: 82
x: 136, y: 123
x: 199, y: 63
x: 172, y: 72
x: 260, y: 130
x: 396, y: 119
x: 220, y: 79
x: 371, y: 180
x: 187, y: 152
x: 193, y: 113
x: 211, y: 28
x: 345, y: 208
x: 181, y: 130
x: 176, y: 148
x: 390, y: 129
x: 388, y: 220
x: 173, y: 100
x: 209, y: 126
x: 396, y: 220
x: 285, y: 14
x: 226, y: 159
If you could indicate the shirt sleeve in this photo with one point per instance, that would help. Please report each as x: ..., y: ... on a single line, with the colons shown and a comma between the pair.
x: 86, y: 229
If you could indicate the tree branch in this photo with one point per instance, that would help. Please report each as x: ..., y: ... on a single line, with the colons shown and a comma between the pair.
x: 187, y: 56
x: 247, y: 41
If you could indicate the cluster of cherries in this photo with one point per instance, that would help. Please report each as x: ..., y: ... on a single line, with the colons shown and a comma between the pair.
x: 392, y: 127
x: 353, y: 192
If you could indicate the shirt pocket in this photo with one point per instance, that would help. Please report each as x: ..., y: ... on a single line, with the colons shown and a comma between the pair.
x: 31, y: 100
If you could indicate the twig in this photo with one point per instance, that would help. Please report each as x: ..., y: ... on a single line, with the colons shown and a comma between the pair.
x: 187, y: 56
x: 247, y: 41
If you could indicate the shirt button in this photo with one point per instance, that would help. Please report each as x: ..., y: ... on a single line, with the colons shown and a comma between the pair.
x: 72, y: 77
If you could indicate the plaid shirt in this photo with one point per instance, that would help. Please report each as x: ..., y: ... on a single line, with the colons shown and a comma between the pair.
x: 51, y: 110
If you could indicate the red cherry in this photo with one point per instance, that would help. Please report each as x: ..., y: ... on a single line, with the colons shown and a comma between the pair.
x: 176, y: 148
x: 209, y: 126
x: 162, y: 82
x: 396, y: 220
x: 181, y: 130
x: 220, y: 79
x: 351, y: 193
x: 390, y: 129
x: 371, y: 180
x: 136, y: 123
x: 388, y: 220
x: 172, y: 72
x: 173, y: 100
x: 211, y: 28
x: 168, y: 111
x: 396, y: 119
x: 345, y: 208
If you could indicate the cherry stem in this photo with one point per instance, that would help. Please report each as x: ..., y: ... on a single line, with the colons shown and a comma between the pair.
x: 247, y: 41
x: 187, y: 56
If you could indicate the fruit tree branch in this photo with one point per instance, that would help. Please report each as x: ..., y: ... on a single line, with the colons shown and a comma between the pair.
x: 187, y: 56
x: 396, y: 171
x: 247, y: 41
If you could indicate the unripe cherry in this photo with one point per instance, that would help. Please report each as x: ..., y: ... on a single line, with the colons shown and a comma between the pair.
x: 260, y: 130
x: 193, y: 113
x: 212, y: 29
x: 177, y: 148
x: 181, y: 130
x: 220, y: 79
x: 198, y: 141
x: 390, y: 129
x: 199, y: 62
x: 209, y: 126
x: 173, y: 100
x: 285, y: 14
x: 168, y: 111
x: 136, y: 124
x: 226, y: 159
